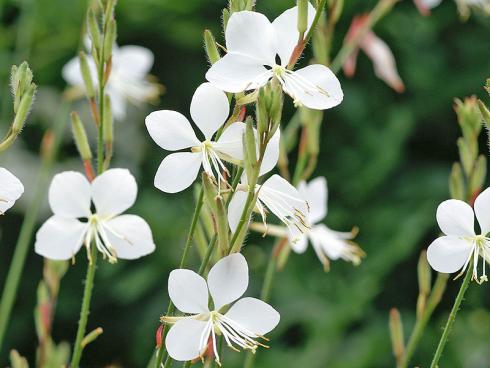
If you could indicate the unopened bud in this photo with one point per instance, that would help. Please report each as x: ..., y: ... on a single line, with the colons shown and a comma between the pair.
x: 302, y: 16
x: 109, y: 8
x: 92, y: 336
x: 20, y: 82
x: 94, y: 32
x: 485, y: 113
x: 469, y: 117
x: 275, y: 112
x: 110, y: 38
x: 210, y: 191
x: 18, y: 361
x: 456, y: 182
x: 466, y: 155
x: 262, y: 111
x: 80, y: 137
x: 336, y: 8
x: 107, y: 121
x: 250, y: 148
x: 226, y: 17
x: 396, y: 333
x: 477, y: 180
x: 210, y: 46
x: 159, y: 336
x: 424, y: 273
x: 23, y: 109
x: 222, y: 225
x: 86, y: 75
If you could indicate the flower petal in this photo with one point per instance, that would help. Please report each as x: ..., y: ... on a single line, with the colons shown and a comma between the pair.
x: 118, y: 103
x: 69, y: 195
x: 188, y: 291
x: 324, y: 239
x: 228, y: 279
x: 254, y: 315
x: 114, y: 191
x: 72, y: 75
x: 178, y: 171
x: 60, y: 238
x: 448, y: 254
x: 482, y: 211
x: 271, y: 154
x: 456, y: 217
x: 314, y: 86
x: 171, y: 130
x: 251, y: 34
x: 315, y: 193
x: 235, y: 209
x: 130, y: 236
x: 184, y: 339
x: 237, y: 73
x: 298, y: 243
x: 209, y: 108
x: 11, y: 189
x: 230, y: 143
x: 286, y: 32
x: 134, y: 61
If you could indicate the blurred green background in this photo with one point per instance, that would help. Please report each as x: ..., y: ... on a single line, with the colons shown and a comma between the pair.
x: 386, y: 156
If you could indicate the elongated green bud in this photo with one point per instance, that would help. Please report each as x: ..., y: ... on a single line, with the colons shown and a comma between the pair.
x: 109, y: 9
x: 250, y: 147
x: 477, y: 180
x: 210, y: 191
x: 275, y: 112
x: 485, y: 113
x: 23, y: 109
x: 226, y: 17
x: 80, y: 137
x: 302, y: 16
x: 424, y: 273
x: 94, y: 31
x: 17, y: 360
x: 222, y: 225
x: 396, y: 333
x: 466, y: 155
x: 92, y: 336
x: 456, y: 182
x: 110, y: 38
x: 210, y: 45
x: 262, y: 111
x: 86, y: 75
x: 107, y: 121
x: 336, y: 10
x: 20, y: 82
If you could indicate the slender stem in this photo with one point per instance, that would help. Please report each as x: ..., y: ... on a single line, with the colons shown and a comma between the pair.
x: 22, y: 246
x: 452, y: 317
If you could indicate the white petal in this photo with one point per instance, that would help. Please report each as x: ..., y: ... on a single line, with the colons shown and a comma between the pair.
x: 482, y: 211
x: 315, y: 193
x: 254, y: 315
x: 69, y: 195
x: 60, y: 238
x: 178, y: 171
x: 299, y: 244
x: 72, y: 75
x: 314, y: 86
x: 11, y: 189
x: 448, y: 254
x: 325, y: 240
x: 230, y: 143
x: 271, y: 154
x: 209, y: 108
x: 114, y: 191
x: 286, y: 32
x: 237, y: 73
x: 235, y: 209
x: 228, y: 279
x: 171, y: 130
x: 456, y: 218
x: 183, y: 339
x: 130, y: 236
x: 134, y: 61
x: 188, y: 291
x: 251, y: 34
x: 118, y: 103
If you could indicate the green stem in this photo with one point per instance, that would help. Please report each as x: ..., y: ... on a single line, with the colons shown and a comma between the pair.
x: 29, y: 224
x: 452, y: 317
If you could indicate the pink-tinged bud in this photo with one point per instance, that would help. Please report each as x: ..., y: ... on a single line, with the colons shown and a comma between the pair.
x: 159, y: 336
x: 424, y: 6
x: 356, y: 25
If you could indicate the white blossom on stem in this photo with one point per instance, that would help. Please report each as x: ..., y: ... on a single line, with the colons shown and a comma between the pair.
x: 74, y: 223
x: 11, y: 189
x: 242, y: 325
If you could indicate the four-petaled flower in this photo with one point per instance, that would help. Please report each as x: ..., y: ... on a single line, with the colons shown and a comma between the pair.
x: 10, y: 189
x: 241, y: 326
x: 115, y: 235
x: 259, y: 50
x: 172, y: 131
x: 460, y: 245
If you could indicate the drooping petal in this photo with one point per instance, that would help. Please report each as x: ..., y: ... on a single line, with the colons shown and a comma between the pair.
x: 60, y: 238
x: 299, y: 244
x: 11, y: 189
x: 314, y: 86
x: 456, y: 217
x: 482, y: 210
x: 237, y: 73
x: 448, y: 254
x: 254, y: 315
x: 130, y: 236
x: 114, y: 191
x: 286, y: 31
x: 209, y: 109
x: 69, y: 195
x: 134, y: 61
x: 324, y: 239
x: 171, y: 130
x: 228, y: 279
x: 271, y: 154
x: 184, y: 338
x: 178, y: 171
x: 118, y: 102
x: 188, y: 291
x: 315, y: 193
x: 235, y: 209
x: 251, y: 34
x: 230, y: 143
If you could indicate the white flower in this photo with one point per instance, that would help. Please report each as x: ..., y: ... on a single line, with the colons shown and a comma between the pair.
x: 241, y: 326
x: 10, y: 189
x: 115, y: 235
x: 128, y: 81
x: 259, y: 50
x: 460, y: 245
x: 172, y: 131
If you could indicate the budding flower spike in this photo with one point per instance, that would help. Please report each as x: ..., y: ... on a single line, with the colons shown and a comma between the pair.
x: 242, y: 325
x: 129, y: 80
x: 11, y: 189
x: 172, y: 131
x: 115, y: 235
x: 258, y: 50
x: 460, y: 245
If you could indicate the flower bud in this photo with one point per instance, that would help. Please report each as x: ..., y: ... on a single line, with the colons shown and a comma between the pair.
x: 469, y: 117
x: 159, y: 336
x: 336, y: 7
x: 466, y: 154
x: 226, y: 17
x: 20, y: 82
x: 262, y: 111
x: 92, y: 336
x: 424, y: 273
x: 109, y: 8
x: 17, y: 360
x: 210, y: 191
x: 94, y: 33
x: 80, y: 137
x: 485, y: 113
x: 250, y: 153
x: 23, y: 109
x: 222, y: 225
x: 275, y: 112
x: 477, y: 180
x: 210, y: 46
x: 107, y: 122
x: 110, y: 38
x: 302, y: 17
x: 86, y: 75
x: 396, y: 333
x: 456, y: 182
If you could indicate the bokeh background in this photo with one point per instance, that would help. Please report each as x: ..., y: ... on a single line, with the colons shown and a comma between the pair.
x: 386, y: 156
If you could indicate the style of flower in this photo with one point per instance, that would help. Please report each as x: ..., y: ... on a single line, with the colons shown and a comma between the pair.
x: 115, y: 235
x: 258, y: 50
x: 172, y: 131
x: 377, y: 50
x: 242, y: 325
x: 10, y: 190
x: 460, y: 245
x: 129, y: 80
